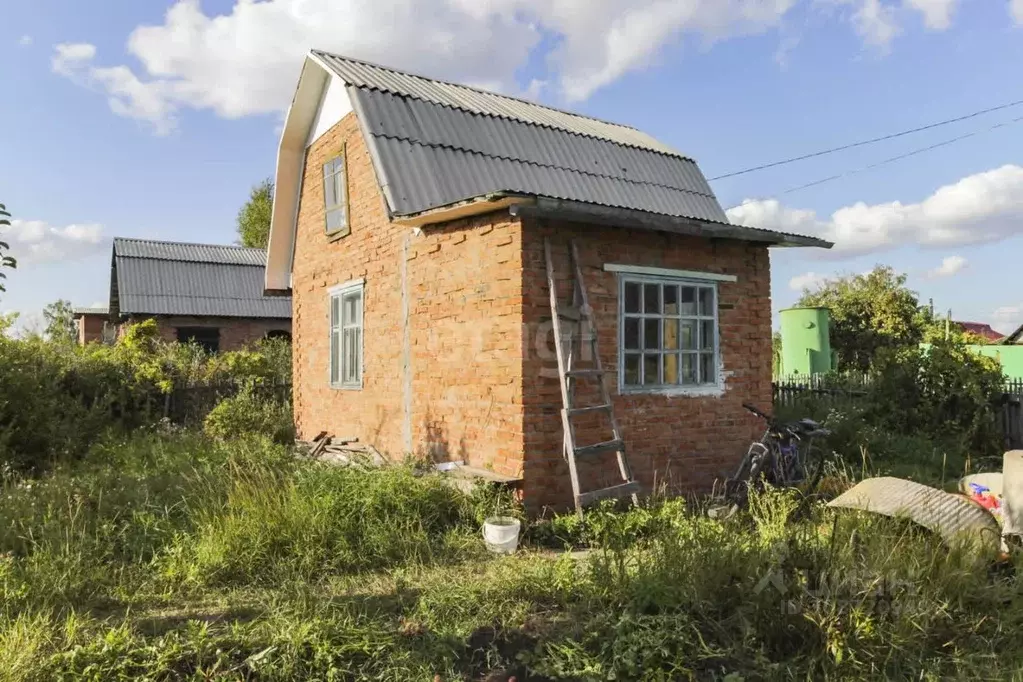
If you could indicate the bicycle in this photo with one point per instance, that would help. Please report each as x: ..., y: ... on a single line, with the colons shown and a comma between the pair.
x: 786, y: 455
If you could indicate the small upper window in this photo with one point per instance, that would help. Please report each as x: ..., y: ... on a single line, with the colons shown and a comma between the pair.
x: 335, y: 196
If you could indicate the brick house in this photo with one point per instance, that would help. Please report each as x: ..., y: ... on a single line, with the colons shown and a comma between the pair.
x: 93, y: 325
x: 209, y: 294
x: 409, y: 225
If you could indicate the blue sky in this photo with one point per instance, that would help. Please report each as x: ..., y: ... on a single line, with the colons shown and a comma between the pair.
x: 155, y: 119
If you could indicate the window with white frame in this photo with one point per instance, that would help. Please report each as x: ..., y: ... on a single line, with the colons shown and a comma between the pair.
x: 668, y: 333
x: 346, y: 336
x: 335, y: 196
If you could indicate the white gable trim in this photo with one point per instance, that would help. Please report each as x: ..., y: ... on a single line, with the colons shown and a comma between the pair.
x: 302, y: 119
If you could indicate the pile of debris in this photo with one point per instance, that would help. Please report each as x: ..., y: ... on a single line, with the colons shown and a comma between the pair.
x: 341, y: 451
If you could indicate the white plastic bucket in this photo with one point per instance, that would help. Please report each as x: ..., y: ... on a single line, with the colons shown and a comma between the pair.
x: 501, y: 533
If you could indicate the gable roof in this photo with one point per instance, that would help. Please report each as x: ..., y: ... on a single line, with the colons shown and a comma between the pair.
x: 438, y: 144
x: 440, y: 149
x: 174, y: 278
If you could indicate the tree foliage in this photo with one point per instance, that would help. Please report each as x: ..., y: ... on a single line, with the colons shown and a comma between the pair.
x: 58, y: 399
x: 6, y: 260
x: 869, y: 312
x: 944, y: 391
x: 60, y: 322
x: 254, y: 216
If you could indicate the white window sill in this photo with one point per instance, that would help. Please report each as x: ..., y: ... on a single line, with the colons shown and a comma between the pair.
x: 706, y: 391
x: 346, y: 387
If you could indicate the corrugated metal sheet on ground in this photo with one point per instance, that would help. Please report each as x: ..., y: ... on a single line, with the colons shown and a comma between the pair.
x: 163, y: 287
x: 192, y: 253
x: 364, y: 75
x: 953, y: 517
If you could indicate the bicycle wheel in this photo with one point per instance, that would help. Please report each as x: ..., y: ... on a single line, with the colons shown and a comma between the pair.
x: 812, y: 465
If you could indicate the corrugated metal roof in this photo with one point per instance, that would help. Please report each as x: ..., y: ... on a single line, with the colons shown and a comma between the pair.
x: 437, y: 176
x: 372, y: 76
x: 436, y: 144
x: 170, y: 278
x: 192, y: 253
x: 434, y: 155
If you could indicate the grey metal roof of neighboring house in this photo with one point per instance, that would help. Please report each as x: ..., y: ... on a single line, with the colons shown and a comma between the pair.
x: 191, y: 253
x: 436, y: 144
x: 172, y: 278
x: 90, y: 311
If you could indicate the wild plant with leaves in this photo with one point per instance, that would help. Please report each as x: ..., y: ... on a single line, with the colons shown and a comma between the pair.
x: 6, y: 260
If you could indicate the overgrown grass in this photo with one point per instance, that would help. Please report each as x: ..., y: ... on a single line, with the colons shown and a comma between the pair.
x: 171, y: 556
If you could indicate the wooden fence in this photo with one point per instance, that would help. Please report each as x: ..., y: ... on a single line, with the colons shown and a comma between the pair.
x: 822, y: 390
x: 189, y: 405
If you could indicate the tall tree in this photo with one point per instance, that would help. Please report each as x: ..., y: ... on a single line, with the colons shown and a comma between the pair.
x: 869, y: 312
x: 60, y: 322
x: 6, y: 261
x: 254, y: 216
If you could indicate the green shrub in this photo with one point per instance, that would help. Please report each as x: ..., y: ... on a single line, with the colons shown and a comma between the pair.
x: 56, y: 400
x: 944, y: 392
x: 247, y: 414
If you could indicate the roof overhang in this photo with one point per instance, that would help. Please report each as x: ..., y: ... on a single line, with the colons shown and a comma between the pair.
x: 574, y: 211
x: 463, y: 209
x: 288, y: 175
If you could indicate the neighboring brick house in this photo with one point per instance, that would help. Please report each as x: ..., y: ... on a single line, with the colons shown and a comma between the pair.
x: 408, y: 225
x: 206, y: 293
x: 93, y: 325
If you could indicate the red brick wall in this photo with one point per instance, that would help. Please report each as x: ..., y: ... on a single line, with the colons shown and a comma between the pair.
x: 235, y: 332
x: 90, y: 328
x: 682, y: 442
x: 477, y: 302
x: 464, y: 323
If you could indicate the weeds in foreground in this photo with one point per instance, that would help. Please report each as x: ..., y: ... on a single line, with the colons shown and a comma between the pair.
x: 175, y: 557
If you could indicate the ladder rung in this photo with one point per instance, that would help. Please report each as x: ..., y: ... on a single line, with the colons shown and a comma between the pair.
x: 616, y: 445
x: 570, y: 312
x: 587, y: 372
x: 592, y: 408
x: 620, y: 490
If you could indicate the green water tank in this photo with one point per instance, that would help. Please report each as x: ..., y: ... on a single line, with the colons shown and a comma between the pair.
x: 805, y: 341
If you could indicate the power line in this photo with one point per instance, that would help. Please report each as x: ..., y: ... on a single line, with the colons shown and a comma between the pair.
x: 896, y: 158
x: 866, y: 142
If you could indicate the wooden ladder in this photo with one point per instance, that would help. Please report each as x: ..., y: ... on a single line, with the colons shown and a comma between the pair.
x: 582, y: 315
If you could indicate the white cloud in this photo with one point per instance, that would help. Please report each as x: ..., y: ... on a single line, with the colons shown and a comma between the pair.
x: 950, y: 265
x: 25, y: 40
x: 69, y: 58
x: 35, y: 241
x: 1008, y: 317
x: 247, y: 61
x: 937, y: 13
x: 1016, y: 10
x: 985, y: 207
x: 807, y: 280
x: 876, y: 23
